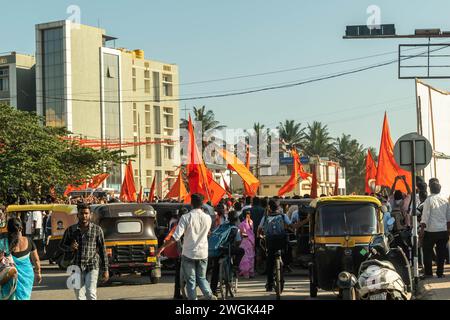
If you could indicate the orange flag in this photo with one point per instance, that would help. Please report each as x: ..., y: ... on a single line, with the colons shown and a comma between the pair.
x: 128, y: 189
x: 371, y: 171
x: 248, y: 192
x: 81, y: 187
x: 296, y: 174
x: 198, y: 175
x: 151, y: 197
x: 140, y: 196
x: 235, y: 164
x: 98, y: 180
x: 216, y: 192
x: 388, y: 169
x: 178, y: 189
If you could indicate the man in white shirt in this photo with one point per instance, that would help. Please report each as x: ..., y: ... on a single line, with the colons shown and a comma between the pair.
x: 434, y: 230
x: 194, y: 226
x: 34, y: 225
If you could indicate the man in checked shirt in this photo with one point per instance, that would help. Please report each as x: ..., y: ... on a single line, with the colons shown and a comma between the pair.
x: 86, y: 241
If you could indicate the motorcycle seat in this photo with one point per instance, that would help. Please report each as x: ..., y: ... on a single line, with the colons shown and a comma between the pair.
x: 381, y: 264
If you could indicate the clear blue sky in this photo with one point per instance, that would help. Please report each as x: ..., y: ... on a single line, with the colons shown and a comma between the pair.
x: 215, y: 39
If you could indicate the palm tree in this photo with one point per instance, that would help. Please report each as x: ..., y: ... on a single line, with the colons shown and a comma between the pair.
x: 317, y: 140
x: 292, y: 134
x: 207, y: 118
x: 258, y: 130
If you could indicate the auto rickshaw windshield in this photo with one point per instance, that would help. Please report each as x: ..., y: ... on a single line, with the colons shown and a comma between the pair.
x: 349, y: 219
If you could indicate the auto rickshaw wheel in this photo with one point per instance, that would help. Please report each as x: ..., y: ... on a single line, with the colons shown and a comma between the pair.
x: 312, y: 282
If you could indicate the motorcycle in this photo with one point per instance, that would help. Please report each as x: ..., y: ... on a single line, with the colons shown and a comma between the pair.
x: 385, y: 275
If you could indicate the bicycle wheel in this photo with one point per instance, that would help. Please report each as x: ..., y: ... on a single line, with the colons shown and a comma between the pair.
x: 278, y: 277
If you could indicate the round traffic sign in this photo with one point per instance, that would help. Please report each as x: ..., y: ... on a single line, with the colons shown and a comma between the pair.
x: 403, y: 151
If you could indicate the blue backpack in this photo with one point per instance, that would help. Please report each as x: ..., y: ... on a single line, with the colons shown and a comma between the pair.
x: 219, y: 239
x: 274, y: 226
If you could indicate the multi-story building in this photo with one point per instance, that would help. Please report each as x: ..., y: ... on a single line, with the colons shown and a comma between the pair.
x: 17, y: 81
x: 108, y: 94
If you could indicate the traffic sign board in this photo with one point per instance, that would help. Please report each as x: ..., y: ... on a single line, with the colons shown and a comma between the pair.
x: 403, y: 151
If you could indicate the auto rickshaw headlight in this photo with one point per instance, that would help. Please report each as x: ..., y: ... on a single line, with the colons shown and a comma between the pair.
x: 344, y: 276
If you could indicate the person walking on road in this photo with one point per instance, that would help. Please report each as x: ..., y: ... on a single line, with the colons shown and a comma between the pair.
x: 194, y: 226
x: 435, y: 224
x: 86, y: 241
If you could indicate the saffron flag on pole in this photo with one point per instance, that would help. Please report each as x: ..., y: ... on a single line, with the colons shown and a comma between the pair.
x: 128, y: 189
x: 248, y: 191
x: 197, y: 173
x: 296, y: 174
x: 83, y: 186
x: 314, y: 182
x: 151, y: 197
x: 98, y: 180
x: 236, y: 165
x: 178, y: 189
x: 371, y: 172
x: 388, y: 169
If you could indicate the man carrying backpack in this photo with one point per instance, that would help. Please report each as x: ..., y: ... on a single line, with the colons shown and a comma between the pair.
x: 273, y: 226
x: 228, y: 234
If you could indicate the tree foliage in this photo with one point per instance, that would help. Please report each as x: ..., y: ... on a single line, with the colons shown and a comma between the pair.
x: 35, y: 158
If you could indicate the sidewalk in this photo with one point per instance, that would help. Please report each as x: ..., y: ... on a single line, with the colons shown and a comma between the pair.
x: 435, y: 288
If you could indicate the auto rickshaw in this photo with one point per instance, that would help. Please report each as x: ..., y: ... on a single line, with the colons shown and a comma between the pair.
x: 341, y: 229
x: 61, y: 217
x: 130, y: 238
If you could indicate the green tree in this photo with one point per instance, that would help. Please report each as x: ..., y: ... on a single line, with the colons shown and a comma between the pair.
x: 292, y: 134
x: 318, y: 141
x: 207, y: 118
x: 35, y: 158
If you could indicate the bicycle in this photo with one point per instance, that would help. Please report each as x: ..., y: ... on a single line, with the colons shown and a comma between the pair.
x: 228, y: 276
x: 278, y: 268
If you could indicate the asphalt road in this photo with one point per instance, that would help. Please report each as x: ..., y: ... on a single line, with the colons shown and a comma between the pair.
x: 53, y: 287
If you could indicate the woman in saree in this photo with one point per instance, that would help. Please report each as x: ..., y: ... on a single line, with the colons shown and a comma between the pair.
x: 23, y: 251
x: 247, y: 264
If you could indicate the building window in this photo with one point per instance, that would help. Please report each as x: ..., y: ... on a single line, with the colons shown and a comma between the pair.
x: 4, y: 79
x: 157, y: 119
x: 168, y: 110
x: 147, y: 86
x: 134, y: 72
x: 167, y: 68
x: 135, y: 127
x: 148, y: 178
x: 156, y: 86
x: 167, y: 87
x: 147, y: 74
x: 135, y: 146
x: 167, y: 78
x: 168, y: 153
x: 158, y: 160
x: 266, y: 186
x: 148, y: 148
x: 53, y: 77
x: 147, y: 119
x: 168, y: 121
x: 134, y: 84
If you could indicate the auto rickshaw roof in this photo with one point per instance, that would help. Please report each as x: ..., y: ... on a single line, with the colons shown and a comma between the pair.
x: 66, y: 208
x: 345, y: 199
x: 114, y: 210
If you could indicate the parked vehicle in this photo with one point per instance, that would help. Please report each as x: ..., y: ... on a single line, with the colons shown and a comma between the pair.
x: 341, y: 229
x: 385, y: 275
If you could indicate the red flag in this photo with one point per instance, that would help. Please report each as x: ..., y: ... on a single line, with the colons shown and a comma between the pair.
x: 235, y: 164
x: 151, y: 198
x: 388, y: 169
x: 314, y: 182
x: 227, y: 188
x: 296, y: 174
x: 98, y: 180
x: 371, y: 172
x: 128, y: 189
x: 178, y: 189
x: 216, y: 192
x: 198, y: 175
x: 81, y: 187
x: 336, y: 183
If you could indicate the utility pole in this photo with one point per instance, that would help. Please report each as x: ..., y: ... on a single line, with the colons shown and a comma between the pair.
x: 139, y: 150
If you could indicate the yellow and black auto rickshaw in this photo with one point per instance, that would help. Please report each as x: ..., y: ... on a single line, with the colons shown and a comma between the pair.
x: 61, y: 216
x: 130, y: 238
x: 341, y: 229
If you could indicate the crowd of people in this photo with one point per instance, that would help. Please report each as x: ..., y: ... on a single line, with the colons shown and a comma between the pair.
x: 249, y: 221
